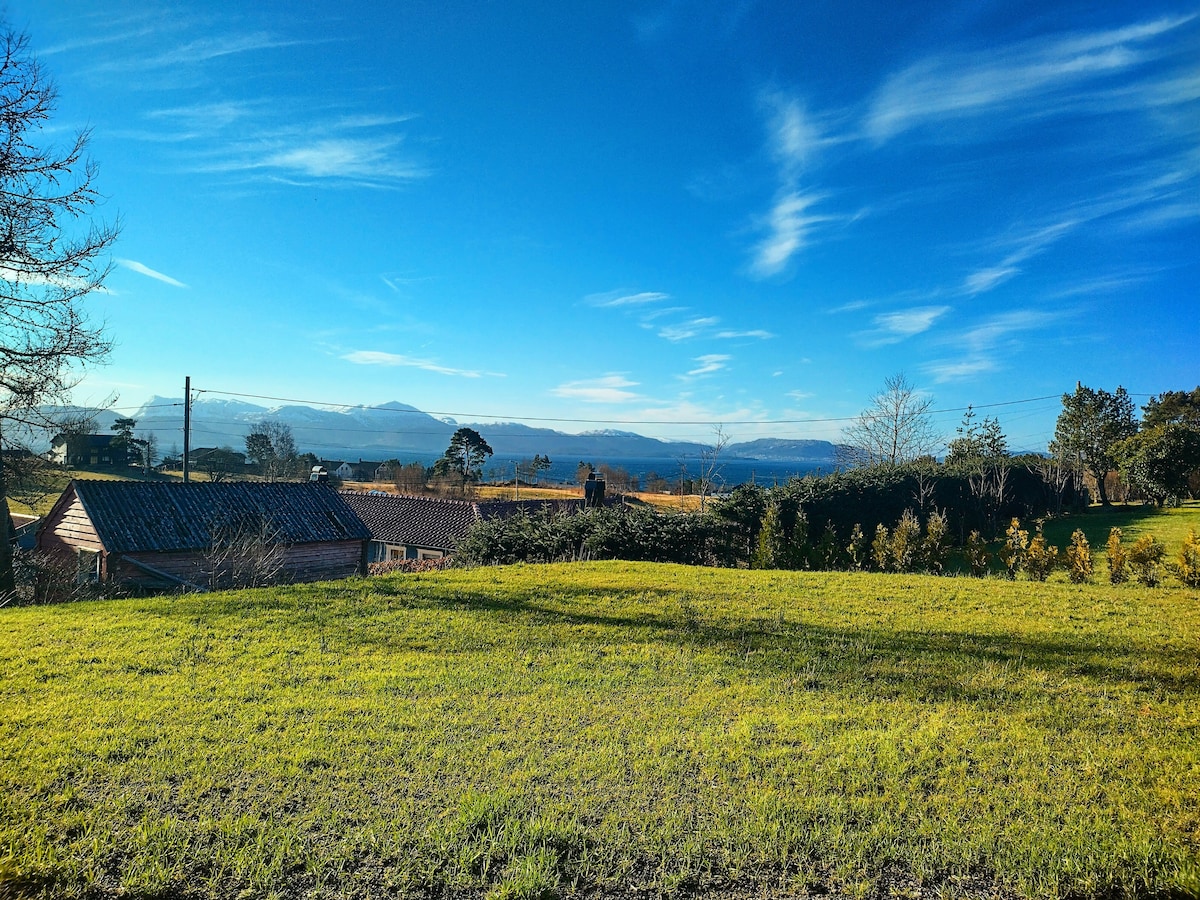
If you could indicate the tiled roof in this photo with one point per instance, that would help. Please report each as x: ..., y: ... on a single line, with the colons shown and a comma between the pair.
x: 429, y: 522
x: 435, y: 523
x: 132, y: 516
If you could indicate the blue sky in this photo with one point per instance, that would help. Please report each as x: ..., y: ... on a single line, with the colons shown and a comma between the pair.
x: 637, y: 214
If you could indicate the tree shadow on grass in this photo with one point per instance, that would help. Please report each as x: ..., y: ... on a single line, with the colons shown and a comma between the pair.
x: 929, y: 665
x: 1097, y: 522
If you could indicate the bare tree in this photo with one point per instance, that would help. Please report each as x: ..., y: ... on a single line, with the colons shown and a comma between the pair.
x: 245, y: 552
x: 272, y: 448
x: 896, y: 428
x: 710, y: 463
x: 48, y: 265
x: 147, y: 448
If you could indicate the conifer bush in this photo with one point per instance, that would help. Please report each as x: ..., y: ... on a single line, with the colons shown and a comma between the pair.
x: 828, y: 554
x: 1145, y: 559
x: 936, y: 543
x: 1079, y: 558
x: 856, y: 550
x: 1040, y: 557
x: 1188, y: 567
x: 906, y: 542
x: 1015, y: 549
x: 798, y: 553
x: 881, y: 548
x: 1118, y: 559
x: 771, y: 541
x: 977, y: 554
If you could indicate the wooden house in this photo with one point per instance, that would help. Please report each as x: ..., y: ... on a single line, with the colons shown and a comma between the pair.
x: 412, y: 527
x: 201, y: 535
x: 405, y: 527
x: 92, y: 450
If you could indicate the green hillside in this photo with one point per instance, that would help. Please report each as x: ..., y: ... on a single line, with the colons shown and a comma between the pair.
x: 542, y: 731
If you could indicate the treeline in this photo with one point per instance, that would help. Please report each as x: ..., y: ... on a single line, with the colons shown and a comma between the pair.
x: 782, y: 537
x: 815, y: 522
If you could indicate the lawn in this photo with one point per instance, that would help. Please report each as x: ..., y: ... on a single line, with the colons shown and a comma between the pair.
x: 1169, y: 524
x: 601, y: 728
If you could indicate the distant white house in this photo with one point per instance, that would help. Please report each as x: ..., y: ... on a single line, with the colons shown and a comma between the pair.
x: 363, y: 470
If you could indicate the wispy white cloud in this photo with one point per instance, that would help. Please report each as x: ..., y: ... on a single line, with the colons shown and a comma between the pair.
x: 267, y: 138
x: 342, y: 158
x: 981, y: 343
x: 379, y: 358
x: 305, y: 156
x: 942, y: 371
x: 687, y: 330
x: 852, y: 306
x: 28, y: 278
x: 608, y: 389
x: 985, y: 279
x: 135, y: 266
x: 199, y: 50
x: 208, y: 117
x: 794, y: 142
x: 647, y: 317
x: 793, y: 136
x: 788, y: 225
x: 759, y: 333
x: 992, y: 330
x: 621, y: 298
x: 708, y: 364
x: 1034, y: 73
x: 894, y: 327
x: 1021, y: 248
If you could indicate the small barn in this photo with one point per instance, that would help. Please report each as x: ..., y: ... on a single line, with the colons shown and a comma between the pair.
x: 202, y: 535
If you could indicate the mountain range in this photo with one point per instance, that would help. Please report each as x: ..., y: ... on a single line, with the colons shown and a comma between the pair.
x: 398, y: 430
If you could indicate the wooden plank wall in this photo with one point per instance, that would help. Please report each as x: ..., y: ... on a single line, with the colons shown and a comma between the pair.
x: 301, y: 562
x: 68, y: 530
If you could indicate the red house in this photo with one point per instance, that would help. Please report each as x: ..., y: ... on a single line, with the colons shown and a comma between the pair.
x: 202, y: 535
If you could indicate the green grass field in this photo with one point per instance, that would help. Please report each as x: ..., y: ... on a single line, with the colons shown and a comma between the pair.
x: 1169, y: 524
x: 596, y: 729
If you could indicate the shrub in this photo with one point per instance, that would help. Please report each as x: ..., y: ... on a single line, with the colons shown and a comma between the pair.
x: 906, y: 542
x: 798, y: 549
x: 1040, y: 557
x: 1014, y: 551
x: 827, y: 553
x: 1079, y: 558
x: 936, y: 543
x: 881, y: 548
x: 1145, y: 558
x: 1118, y: 559
x: 1188, y: 567
x: 977, y: 554
x: 771, y: 550
x: 44, y: 578
x: 856, y: 550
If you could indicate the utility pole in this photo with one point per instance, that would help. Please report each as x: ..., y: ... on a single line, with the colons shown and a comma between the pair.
x: 187, y: 424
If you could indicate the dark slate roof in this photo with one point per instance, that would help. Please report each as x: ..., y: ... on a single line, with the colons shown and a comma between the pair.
x: 133, y: 516
x: 435, y: 523
x: 429, y: 522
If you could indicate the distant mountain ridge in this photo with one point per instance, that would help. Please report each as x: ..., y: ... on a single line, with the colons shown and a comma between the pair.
x: 396, y: 429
